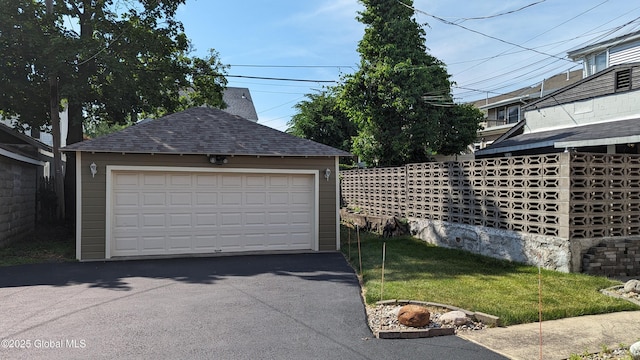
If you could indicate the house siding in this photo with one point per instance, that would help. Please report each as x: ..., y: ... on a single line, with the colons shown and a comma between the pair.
x: 17, y: 199
x: 626, y: 53
x: 598, y: 86
x: 94, y: 189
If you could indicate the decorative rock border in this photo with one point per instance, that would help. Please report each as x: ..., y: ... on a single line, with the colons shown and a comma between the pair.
x: 614, y: 291
x: 490, y: 320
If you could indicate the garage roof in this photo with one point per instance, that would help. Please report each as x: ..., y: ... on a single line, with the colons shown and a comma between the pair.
x: 201, y: 130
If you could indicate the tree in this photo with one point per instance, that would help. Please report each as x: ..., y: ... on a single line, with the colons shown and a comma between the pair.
x: 321, y: 119
x: 115, y: 62
x: 401, y: 96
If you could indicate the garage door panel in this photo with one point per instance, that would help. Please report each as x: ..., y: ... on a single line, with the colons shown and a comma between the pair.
x: 151, y: 179
x: 126, y: 221
x: 127, y: 198
x: 206, y: 180
x: 279, y: 181
x: 231, y: 199
x: 154, y: 220
x: 154, y: 198
x: 176, y: 198
x: 206, y: 220
x: 255, y: 219
x: 151, y: 243
x: 253, y: 181
x: 231, y: 181
x: 255, y: 199
x: 175, y: 242
x: 180, y: 180
x: 158, y: 213
x: 206, y: 198
x: 179, y: 220
x: 127, y: 180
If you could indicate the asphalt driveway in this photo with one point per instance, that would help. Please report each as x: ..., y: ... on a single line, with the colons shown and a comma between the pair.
x: 304, y: 306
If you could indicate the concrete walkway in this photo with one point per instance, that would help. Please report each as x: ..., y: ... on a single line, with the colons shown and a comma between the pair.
x: 561, y: 338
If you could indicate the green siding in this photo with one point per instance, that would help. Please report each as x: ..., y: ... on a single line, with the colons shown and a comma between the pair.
x: 94, y: 189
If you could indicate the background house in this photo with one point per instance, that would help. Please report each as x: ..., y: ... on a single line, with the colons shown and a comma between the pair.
x: 22, y: 162
x: 598, y: 113
x: 599, y: 56
x: 504, y: 111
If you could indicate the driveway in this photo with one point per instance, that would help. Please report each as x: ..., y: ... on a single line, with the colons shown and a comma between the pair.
x: 304, y: 306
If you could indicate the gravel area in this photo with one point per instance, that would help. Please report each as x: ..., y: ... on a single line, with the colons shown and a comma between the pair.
x: 385, y: 317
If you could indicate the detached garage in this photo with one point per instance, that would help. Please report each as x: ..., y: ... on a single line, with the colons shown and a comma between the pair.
x: 203, y: 181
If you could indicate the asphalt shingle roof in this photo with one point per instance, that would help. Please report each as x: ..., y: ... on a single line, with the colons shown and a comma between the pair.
x: 201, y: 130
x: 239, y: 103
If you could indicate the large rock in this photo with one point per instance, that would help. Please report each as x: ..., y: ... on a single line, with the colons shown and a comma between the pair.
x: 414, y: 316
x: 635, y: 351
x: 632, y: 286
x: 454, y: 317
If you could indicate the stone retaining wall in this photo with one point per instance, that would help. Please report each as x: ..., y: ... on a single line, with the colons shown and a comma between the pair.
x: 17, y: 199
x: 613, y: 257
x: 551, y: 252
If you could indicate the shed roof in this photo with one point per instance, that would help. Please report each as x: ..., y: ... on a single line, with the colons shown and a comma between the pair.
x: 202, y: 130
x: 604, y: 133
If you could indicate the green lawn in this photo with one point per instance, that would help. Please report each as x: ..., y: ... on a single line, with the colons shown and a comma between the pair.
x: 52, y: 244
x: 415, y: 270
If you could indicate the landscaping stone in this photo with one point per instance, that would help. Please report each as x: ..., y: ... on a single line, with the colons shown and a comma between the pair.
x: 632, y: 286
x: 454, y: 317
x: 634, y: 350
x: 414, y: 316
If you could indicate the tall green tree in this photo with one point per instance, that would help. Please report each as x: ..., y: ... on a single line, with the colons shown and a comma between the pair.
x: 115, y: 61
x: 320, y: 118
x: 401, y: 96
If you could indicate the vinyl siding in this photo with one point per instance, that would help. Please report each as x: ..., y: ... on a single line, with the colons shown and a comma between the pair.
x: 94, y: 189
x: 598, y: 86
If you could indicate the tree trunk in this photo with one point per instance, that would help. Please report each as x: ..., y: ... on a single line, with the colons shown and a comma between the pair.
x: 74, y: 135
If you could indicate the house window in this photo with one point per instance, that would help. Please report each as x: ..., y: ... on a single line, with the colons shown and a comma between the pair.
x: 623, y: 80
x: 513, y: 114
x: 595, y: 63
x: 501, y: 116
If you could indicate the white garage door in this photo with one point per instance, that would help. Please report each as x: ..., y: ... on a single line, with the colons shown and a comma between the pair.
x: 163, y: 213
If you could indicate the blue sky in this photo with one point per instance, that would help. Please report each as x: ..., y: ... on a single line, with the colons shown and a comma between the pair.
x: 317, y: 40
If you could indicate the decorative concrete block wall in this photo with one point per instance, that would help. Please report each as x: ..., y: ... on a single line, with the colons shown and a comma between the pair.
x: 566, y: 201
x: 17, y: 199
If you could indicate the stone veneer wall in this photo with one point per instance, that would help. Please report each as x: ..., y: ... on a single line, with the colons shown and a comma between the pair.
x: 613, y: 257
x: 18, y: 185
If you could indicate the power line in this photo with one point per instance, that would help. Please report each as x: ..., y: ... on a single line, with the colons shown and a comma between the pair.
x: 294, y: 66
x: 280, y: 79
x: 480, y: 33
x: 501, y: 14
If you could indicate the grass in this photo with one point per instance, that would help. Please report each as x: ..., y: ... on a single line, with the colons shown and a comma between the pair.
x: 53, y: 244
x: 415, y: 270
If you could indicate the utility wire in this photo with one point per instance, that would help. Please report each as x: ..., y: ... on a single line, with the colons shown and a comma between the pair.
x: 280, y: 79
x: 501, y: 14
x: 480, y: 33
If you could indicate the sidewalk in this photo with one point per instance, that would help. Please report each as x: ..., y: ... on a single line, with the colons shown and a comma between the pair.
x: 560, y: 338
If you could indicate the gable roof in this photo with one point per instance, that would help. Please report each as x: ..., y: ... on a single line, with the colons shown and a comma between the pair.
x: 201, y: 130
x: 20, y: 146
x: 239, y: 103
